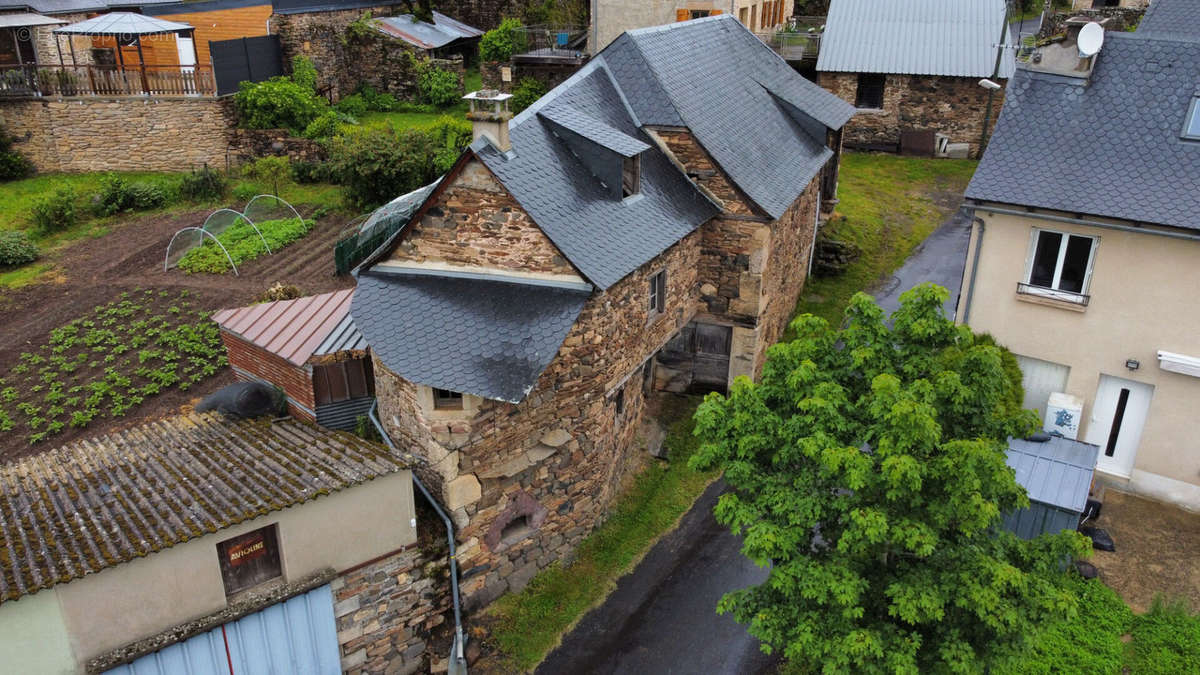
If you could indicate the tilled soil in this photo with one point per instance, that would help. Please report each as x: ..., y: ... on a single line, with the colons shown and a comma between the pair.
x: 96, y: 271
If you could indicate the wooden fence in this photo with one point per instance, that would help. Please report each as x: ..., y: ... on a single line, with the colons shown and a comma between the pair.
x: 35, y: 81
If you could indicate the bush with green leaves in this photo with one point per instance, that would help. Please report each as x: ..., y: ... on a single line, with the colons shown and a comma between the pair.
x: 528, y: 90
x: 376, y: 101
x: 117, y: 194
x: 12, y: 163
x: 244, y: 192
x: 501, y: 42
x: 278, y: 103
x: 203, y: 185
x: 868, y: 473
x: 269, y: 171
x: 304, y: 73
x: 437, y: 87
x: 56, y: 212
x: 452, y: 135
x: 328, y: 124
x: 380, y: 164
x: 16, y: 248
x: 310, y: 172
x: 354, y: 105
x: 243, y: 243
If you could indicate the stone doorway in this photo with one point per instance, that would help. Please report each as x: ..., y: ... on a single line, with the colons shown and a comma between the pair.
x: 696, y: 360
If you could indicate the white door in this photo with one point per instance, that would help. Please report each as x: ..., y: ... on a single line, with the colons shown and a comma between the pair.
x: 1041, y: 378
x: 1118, y: 416
x: 187, y: 53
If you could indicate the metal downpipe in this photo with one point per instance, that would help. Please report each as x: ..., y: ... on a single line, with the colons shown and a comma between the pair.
x: 966, y: 319
x: 458, y: 662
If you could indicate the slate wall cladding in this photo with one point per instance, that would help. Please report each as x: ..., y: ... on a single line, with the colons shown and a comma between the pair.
x: 478, y: 223
x: 386, y: 610
x: 120, y: 134
x: 263, y: 365
x: 953, y: 106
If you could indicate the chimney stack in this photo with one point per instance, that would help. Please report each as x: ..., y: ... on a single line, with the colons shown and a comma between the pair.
x: 489, y: 115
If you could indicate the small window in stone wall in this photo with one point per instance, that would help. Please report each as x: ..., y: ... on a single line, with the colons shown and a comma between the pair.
x: 516, y: 530
x: 444, y: 399
x: 619, y: 401
x: 249, y: 559
x: 870, y: 90
x: 658, y: 293
x: 520, y: 519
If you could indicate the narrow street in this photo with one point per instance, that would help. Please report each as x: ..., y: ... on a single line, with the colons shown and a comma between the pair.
x: 662, y: 616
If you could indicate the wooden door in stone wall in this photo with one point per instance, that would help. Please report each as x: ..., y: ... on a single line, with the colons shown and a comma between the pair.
x: 696, y: 360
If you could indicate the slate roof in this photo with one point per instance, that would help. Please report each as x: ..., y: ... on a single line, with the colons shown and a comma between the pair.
x: 483, y: 337
x: 1178, y: 19
x: 594, y: 130
x: 1057, y: 472
x: 1109, y: 148
x: 81, y: 508
x: 292, y: 329
x: 915, y: 37
x: 425, y: 35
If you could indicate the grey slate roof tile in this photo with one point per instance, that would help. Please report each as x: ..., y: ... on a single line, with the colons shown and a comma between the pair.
x: 1111, y: 148
x: 1179, y: 19
x: 594, y: 130
x: 488, y: 338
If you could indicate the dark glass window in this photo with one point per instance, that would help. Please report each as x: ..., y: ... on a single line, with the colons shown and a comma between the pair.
x: 870, y: 90
x: 658, y: 293
x: 1061, y: 262
x: 631, y: 176
x: 1045, y: 259
x: 1191, y: 128
x: 447, y: 400
x: 619, y: 401
x: 249, y: 560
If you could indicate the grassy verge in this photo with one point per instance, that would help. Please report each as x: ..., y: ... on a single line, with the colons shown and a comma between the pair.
x: 887, y: 207
x: 17, y: 197
x: 530, y: 623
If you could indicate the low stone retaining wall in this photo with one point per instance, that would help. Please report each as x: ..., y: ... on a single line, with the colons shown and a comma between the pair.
x: 120, y: 134
x: 247, y: 144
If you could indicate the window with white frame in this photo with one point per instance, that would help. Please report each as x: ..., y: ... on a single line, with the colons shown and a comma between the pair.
x: 1060, y: 264
x: 658, y: 293
x: 1191, y: 125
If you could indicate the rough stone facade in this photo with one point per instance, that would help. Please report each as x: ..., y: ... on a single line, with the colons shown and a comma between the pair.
x: 1130, y: 13
x: 954, y: 106
x: 47, y: 47
x: 120, y: 134
x: 386, y: 610
x: 247, y: 144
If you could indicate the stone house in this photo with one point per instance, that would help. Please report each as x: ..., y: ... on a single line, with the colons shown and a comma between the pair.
x: 1083, y: 258
x: 610, y: 18
x: 517, y: 323
x: 912, y: 69
x: 275, y: 545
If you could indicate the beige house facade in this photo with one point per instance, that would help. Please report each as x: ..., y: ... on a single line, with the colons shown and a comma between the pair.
x: 610, y: 18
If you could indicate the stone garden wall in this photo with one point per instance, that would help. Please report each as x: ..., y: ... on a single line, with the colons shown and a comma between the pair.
x: 953, y: 106
x: 1121, y: 18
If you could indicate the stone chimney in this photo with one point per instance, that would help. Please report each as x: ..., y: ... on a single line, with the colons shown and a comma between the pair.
x: 489, y: 115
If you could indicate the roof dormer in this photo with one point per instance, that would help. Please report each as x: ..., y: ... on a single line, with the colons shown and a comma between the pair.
x: 611, y: 155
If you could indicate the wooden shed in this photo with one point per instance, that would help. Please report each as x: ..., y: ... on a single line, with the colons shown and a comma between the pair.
x: 310, y: 348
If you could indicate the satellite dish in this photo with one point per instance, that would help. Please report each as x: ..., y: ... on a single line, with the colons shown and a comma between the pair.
x: 1091, y: 38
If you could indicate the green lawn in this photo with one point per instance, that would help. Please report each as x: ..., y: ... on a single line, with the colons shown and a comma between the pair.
x: 17, y: 197
x: 887, y: 207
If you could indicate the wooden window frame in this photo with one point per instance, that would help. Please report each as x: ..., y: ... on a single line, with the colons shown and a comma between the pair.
x: 444, y: 399
x: 658, y: 293
x: 355, y: 377
x: 631, y: 176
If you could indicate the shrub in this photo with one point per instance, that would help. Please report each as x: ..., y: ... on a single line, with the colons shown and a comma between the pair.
x: 16, y: 248
x: 12, y: 163
x: 203, y: 185
x: 268, y: 169
x: 377, y: 101
x: 244, y: 192
x: 304, y: 73
x: 322, y: 127
x: 500, y: 43
x: 1166, y: 639
x: 380, y: 164
x: 354, y: 105
x: 413, y: 107
x: 56, y: 212
x: 118, y: 194
x: 528, y: 90
x: 310, y: 172
x: 451, y: 135
x: 278, y: 103
x: 438, y: 87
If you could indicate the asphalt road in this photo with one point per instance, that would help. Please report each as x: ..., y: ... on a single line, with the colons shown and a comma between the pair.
x: 661, y: 618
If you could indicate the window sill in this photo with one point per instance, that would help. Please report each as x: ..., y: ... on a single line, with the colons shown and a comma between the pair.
x: 654, y: 318
x: 1050, y: 298
x: 869, y: 111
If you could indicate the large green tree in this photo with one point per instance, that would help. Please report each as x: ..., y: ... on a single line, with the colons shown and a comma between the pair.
x: 868, y: 471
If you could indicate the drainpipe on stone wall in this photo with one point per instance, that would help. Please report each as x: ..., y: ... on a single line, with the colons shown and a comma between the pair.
x: 458, y: 662
x: 974, y: 269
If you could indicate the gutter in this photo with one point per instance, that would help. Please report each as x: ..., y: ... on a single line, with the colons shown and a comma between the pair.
x: 1089, y: 223
x: 974, y: 270
x: 458, y: 662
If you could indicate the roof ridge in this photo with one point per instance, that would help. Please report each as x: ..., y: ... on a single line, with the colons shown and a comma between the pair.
x: 680, y: 25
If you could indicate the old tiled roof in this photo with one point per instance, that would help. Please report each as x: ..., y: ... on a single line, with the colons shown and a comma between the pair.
x: 915, y: 37
x: 294, y: 329
x: 1111, y: 147
x: 93, y: 504
x: 1171, y: 19
x: 489, y: 338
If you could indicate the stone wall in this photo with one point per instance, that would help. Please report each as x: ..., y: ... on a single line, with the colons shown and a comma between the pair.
x: 387, y: 609
x: 47, y: 48
x: 120, y: 134
x: 953, y: 106
x: 1130, y: 13
x: 478, y: 223
x: 785, y: 270
x: 245, y: 145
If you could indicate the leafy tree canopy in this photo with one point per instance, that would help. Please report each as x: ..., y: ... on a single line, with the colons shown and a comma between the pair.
x: 869, y: 472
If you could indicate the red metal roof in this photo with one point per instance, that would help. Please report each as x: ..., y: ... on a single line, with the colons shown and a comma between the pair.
x: 289, y: 328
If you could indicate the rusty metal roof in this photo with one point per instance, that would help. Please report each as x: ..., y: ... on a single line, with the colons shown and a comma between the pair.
x: 78, y: 509
x: 292, y: 329
x: 425, y: 35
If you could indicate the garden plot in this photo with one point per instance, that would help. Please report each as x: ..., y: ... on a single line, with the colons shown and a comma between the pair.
x: 229, y: 237
x: 106, y: 364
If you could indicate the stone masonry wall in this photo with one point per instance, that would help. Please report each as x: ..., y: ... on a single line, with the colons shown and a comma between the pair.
x: 478, y: 223
x: 47, y: 49
x: 785, y: 270
x: 954, y: 106
x: 120, y: 134
x: 386, y: 609
x: 246, y: 145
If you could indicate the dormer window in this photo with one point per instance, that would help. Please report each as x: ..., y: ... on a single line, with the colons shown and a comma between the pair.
x: 631, y: 176
x: 1191, y: 127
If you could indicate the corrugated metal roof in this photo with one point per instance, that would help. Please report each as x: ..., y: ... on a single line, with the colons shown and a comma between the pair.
x: 915, y: 37
x: 123, y: 23
x: 425, y: 35
x: 292, y: 329
x: 1057, y: 472
x: 23, y: 19
x: 343, y: 338
x: 297, y: 636
x: 84, y: 507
